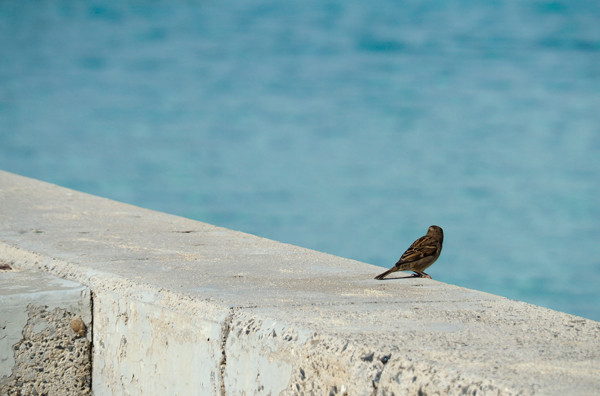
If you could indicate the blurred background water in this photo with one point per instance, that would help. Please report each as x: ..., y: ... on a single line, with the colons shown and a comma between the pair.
x: 343, y: 126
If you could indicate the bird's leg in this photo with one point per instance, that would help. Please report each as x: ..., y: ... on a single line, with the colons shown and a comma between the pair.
x: 421, y: 275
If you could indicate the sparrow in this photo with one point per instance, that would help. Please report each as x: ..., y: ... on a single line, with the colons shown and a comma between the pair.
x: 420, y: 255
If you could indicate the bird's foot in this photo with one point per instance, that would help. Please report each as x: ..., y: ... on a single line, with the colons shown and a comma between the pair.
x: 421, y: 275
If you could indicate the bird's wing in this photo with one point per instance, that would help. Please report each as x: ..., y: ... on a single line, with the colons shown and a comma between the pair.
x: 422, y: 247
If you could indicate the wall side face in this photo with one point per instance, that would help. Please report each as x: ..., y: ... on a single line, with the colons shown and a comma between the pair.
x: 45, y: 344
x: 143, y: 349
x: 185, y: 307
x: 267, y: 355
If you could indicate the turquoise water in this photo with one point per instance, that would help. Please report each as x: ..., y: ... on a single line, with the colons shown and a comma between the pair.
x: 344, y: 126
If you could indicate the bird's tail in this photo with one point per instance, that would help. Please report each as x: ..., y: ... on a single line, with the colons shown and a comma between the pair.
x: 386, y: 273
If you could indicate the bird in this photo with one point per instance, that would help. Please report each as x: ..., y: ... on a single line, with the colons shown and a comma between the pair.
x: 420, y: 255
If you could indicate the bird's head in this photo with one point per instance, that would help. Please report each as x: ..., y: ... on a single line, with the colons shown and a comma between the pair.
x: 436, y: 232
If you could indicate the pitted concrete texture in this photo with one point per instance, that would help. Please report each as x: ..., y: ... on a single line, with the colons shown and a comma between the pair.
x: 44, y: 347
x: 184, y: 305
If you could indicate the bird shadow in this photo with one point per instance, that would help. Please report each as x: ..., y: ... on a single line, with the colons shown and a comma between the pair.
x: 404, y: 277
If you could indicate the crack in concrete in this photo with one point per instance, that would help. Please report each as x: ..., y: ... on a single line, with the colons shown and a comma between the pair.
x: 225, y: 330
x: 91, y: 331
x: 375, y: 381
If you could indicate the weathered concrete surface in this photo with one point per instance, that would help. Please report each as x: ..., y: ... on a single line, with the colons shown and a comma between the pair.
x: 45, y: 347
x: 180, y: 304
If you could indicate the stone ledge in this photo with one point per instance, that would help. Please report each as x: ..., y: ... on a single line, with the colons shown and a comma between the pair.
x: 183, y: 306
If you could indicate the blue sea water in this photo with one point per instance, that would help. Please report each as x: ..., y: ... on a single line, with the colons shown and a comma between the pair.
x: 343, y: 126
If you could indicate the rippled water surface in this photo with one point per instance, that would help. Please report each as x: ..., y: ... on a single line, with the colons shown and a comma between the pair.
x: 344, y: 126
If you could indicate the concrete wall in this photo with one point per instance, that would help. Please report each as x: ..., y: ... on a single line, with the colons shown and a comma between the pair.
x: 183, y: 307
